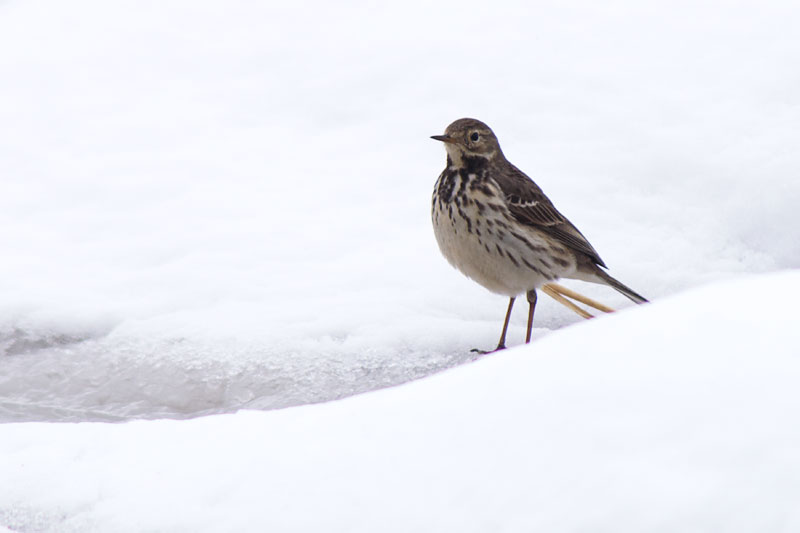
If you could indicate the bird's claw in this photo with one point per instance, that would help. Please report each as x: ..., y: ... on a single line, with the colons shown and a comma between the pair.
x: 484, y: 352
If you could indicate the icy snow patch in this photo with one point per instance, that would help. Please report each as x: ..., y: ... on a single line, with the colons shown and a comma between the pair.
x: 114, y: 379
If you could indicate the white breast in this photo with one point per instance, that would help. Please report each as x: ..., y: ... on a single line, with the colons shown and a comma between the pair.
x: 478, y: 237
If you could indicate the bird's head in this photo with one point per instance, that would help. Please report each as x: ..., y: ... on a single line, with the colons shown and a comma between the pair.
x: 467, y: 137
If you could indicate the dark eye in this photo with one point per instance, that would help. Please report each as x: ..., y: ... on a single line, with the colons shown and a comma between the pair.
x: 474, y: 137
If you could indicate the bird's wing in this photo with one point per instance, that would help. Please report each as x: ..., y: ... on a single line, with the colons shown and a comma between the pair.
x: 529, y: 205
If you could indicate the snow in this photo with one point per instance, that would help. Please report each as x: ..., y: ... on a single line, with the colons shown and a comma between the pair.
x: 680, y: 415
x: 212, y: 208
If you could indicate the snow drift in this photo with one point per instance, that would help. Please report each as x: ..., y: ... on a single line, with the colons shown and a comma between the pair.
x: 677, y: 415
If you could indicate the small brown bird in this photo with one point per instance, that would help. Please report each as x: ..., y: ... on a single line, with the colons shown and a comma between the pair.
x: 496, y: 226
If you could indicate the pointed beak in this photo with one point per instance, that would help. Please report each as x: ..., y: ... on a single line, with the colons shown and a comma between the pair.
x: 443, y: 138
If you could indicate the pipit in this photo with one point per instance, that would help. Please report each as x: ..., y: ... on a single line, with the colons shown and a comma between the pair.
x: 496, y: 226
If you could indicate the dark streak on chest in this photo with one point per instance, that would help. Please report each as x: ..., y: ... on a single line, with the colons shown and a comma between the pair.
x: 472, y: 174
x: 447, y: 183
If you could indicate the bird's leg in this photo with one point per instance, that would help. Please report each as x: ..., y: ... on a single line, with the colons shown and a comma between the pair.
x: 502, y: 344
x: 531, y: 308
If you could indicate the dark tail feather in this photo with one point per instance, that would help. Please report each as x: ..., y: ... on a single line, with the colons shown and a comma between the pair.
x: 620, y: 287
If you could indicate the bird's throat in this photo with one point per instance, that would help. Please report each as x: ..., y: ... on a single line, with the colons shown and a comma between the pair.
x: 466, y: 163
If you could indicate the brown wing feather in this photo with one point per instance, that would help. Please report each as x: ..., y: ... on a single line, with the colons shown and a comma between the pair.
x: 529, y: 205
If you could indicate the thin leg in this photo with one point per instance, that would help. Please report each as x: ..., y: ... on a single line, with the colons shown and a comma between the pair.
x: 502, y: 344
x: 531, y: 308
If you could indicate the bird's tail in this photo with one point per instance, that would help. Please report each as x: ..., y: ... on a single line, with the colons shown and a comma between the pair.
x: 619, y: 287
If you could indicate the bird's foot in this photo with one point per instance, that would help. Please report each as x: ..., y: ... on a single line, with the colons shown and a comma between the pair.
x: 484, y: 352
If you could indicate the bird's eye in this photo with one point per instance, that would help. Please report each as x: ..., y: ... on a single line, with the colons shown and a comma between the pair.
x: 474, y: 137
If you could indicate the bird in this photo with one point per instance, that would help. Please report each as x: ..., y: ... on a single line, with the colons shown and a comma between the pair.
x: 495, y: 225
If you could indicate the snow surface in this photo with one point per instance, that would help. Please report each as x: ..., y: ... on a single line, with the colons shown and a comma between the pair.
x: 677, y: 416
x: 208, y: 207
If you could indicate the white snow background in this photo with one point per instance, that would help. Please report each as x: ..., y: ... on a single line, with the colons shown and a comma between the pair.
x: 208, y: 207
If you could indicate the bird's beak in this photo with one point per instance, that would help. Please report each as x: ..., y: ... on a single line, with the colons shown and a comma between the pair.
x: 443, y: 138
